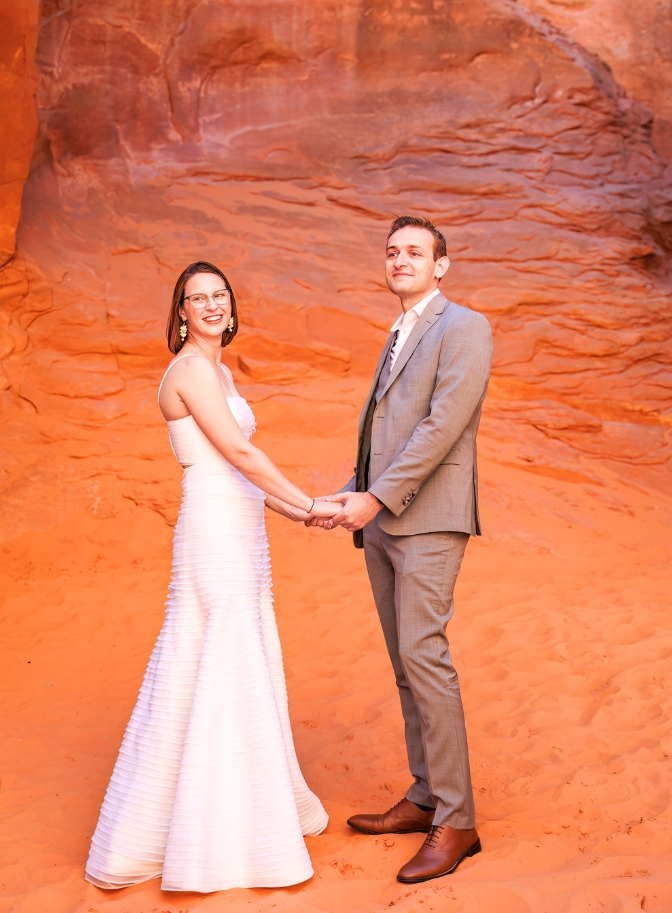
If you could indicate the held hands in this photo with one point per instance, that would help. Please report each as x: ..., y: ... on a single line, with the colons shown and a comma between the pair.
x: 323, y: 510
x: 326, y: 523
x: 356, y: 509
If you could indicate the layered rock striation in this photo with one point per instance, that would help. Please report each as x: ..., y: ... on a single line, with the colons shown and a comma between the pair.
x: 634, y: 37
x: 18, y: 84
x: 278, y: 140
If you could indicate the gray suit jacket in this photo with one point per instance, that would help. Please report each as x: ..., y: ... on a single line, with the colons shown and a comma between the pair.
x: 423, y: 435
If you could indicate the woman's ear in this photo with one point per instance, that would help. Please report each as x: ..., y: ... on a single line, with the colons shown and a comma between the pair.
x: 180, y: 313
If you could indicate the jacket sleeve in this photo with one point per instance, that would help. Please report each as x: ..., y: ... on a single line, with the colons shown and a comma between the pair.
x: 349, y: 486
x: 461, y: 384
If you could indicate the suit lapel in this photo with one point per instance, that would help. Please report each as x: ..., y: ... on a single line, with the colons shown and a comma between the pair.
x: 374, y: 386
x: 429, y: 316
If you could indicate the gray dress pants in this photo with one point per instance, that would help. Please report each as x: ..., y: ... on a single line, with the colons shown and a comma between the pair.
x: 413, y: 578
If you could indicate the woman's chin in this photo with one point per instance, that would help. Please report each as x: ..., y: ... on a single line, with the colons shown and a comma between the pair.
x: 210, y: 335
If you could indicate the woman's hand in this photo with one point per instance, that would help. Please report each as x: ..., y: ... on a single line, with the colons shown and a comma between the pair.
x: 324, y: 510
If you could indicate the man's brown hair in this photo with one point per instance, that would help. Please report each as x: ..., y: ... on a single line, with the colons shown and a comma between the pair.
x: 417, y: 222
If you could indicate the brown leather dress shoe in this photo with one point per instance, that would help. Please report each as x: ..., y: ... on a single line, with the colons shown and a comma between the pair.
x: 403, y: 818
x: 443, y: 850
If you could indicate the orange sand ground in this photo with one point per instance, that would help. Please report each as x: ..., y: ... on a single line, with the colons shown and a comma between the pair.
x: 562, y: 635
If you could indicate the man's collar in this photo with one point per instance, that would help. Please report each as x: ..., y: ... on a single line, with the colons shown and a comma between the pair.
x: 418, y: 308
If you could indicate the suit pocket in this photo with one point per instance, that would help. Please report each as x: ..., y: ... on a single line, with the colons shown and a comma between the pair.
x: 377, y: 433
x: 454, y: 456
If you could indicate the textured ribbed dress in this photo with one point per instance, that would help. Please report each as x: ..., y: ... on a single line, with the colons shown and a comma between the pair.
x: 207, y: 792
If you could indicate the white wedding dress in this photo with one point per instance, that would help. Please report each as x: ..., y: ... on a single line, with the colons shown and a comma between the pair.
x: 207, y: 792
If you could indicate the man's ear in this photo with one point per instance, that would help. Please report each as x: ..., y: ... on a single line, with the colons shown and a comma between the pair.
x: 441, y: 267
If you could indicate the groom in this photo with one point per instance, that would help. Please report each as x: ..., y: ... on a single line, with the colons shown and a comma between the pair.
x: 412, y: 505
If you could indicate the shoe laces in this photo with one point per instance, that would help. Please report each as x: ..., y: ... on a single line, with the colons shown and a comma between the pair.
x: 434, y: 835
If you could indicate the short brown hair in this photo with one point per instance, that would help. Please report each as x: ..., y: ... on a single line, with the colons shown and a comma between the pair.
x: 417, y: 222
x: 174, y: 321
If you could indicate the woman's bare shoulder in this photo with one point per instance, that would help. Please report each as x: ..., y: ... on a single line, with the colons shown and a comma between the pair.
x: 192, y: 365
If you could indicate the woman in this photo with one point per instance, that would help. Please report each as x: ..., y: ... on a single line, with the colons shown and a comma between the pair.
x: 207, y: 792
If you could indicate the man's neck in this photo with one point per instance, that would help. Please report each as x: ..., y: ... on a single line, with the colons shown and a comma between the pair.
x: 412, y: 300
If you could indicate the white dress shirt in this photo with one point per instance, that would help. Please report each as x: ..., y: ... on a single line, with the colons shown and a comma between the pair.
x: 405, y: 324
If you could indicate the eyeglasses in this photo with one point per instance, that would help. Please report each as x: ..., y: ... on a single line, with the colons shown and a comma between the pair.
x: 199, y: 300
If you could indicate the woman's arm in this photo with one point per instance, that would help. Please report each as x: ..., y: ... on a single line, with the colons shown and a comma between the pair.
x: 282, y: 507
x: 198, y: 385
x: 295, y: 513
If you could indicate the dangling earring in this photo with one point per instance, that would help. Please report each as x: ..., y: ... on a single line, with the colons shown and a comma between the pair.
x: 183, y: 331
x: 230, y: 326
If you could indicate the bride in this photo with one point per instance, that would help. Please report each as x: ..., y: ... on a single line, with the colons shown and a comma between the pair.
x: 207, y: 792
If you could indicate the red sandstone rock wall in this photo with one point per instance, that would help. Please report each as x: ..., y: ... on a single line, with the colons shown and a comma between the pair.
x: 18, y: 83
x: 18, y: 124
x: 635, y: 38
x: 278, y: 139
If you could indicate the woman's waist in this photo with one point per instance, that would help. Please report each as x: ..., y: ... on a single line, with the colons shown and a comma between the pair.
x: 218, y: 473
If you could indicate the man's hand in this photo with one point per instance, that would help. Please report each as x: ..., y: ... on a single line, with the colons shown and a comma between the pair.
x: 359, y: 508
x: 316, y: 521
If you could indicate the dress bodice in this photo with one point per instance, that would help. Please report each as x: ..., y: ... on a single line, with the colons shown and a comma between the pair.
x: 191, y: 446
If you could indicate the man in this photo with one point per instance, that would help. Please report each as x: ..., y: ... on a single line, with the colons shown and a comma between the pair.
x: 412, y: 505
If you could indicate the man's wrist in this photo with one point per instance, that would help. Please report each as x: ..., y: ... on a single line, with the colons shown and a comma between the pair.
x: 376, y: 502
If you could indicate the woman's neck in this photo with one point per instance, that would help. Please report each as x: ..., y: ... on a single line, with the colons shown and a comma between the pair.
x: 212, y: 351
